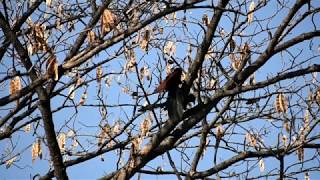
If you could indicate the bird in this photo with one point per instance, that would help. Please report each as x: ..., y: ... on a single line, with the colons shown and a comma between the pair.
x: 171, y: 83
x: 175, y: 99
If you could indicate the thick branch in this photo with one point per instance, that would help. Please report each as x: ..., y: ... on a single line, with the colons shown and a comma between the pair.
x: 44, y: 105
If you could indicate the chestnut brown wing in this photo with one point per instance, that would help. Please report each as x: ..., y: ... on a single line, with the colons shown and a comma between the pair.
x: 172, y: 81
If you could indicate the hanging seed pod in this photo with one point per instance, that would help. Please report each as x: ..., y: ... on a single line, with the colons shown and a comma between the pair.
x: 205, y: 20
x: 36, y: 150
x: 205, y: 148
x: 27, y: 128
x: 245, y: 55
x: 144, y: 72
x: 136, y: 143
x: 116, y: 128
x: 104, y: 133
x: 219, y: 131
x: 300, y: 153
x: 52, y: 68
x: 91, y: 37
x: 232, y: 45
x: 222, y: 33
x: 261, y: 165
x: 107, y: 21
x: 74, y: 144
x: 250, y: 14
x: 145, y: 125
x: 251, y: 139
x: 160, y: 30
x: 281, y: 103
x: 306, y: 121
x: 99, y: 74
x: 145, y: 41
x: 314, y: 77
x: 48, y: 3
x: 170, y: 48
x: 317, y: 98
x: 39, y: 37
x: 107, y: 81
x: 306, y: 176
x: 30, y: 49
x: 15, y: 85
x: 245, y: 50
x: 70, y: 134
x: 212, y: 83
x: 9, y: 162
x: 168, y: 69
x: 252, y: 79
x: 83, y: 98
x: 131, y: 60
x: 284, y: 140
x: 286, y: 126
x: 236, y: 65
x: 62, y: 141
x: 71, y: 92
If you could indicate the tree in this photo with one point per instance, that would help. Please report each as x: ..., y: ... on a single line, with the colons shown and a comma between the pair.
x: 79, y: 85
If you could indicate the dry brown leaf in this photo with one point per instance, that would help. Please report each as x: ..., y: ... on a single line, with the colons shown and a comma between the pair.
x: 205, y: 19
x: 116, y: 128
x: 236, y: 65
x: 131, y: 60
x: 136, y: 143
x: 145, y: 125
x: 300, y: 153
x: 286, y: 126
x: 107, y: 21
x: 36, y: 150
x: 317, y: 98
x: 252, y: 139
x: 15, y: 85
x: 145, y: 41
x: 245, y: 51
x: 219, y: 131
x: 39, y: 38
x: 104, y: 133
x: 52, y: 68
x: 62, y: 141
x: 306, y: 120
x: 99, y: 74
x: 281, y: 103
x: 91, y: 37
x: 232, y: 45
